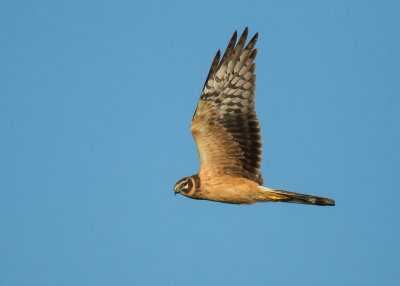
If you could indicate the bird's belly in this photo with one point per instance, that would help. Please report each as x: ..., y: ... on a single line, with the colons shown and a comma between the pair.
x: 243, y: 193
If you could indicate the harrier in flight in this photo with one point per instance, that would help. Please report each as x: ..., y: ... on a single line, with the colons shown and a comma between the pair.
x: 228, y: 135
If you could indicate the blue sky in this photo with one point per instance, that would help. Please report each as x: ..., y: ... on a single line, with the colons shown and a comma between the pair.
x: 96, y: 99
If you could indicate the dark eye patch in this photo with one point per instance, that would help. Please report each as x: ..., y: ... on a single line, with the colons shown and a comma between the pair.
x: 187, y: 186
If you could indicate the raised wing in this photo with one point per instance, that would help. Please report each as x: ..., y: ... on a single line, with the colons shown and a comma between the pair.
x: 225, y: 125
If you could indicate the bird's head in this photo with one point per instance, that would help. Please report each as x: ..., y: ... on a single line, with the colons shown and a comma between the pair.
x: 184, y: 186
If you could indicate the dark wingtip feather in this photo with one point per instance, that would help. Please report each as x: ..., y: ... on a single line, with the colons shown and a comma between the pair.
x: 245, y: 31
x: 229, y: 48
x: 241, y: 42
x: 252, y: 42
x: 253, y: 54
x: 213, y: 67
x: 217, y: 56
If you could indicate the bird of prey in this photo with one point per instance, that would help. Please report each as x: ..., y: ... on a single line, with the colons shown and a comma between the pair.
x: 228, y: 136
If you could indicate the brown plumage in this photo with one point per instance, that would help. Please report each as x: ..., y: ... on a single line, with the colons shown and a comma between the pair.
x: 228, y: 135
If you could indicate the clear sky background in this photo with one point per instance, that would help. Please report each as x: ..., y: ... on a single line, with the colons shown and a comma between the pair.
x: 96, y: 99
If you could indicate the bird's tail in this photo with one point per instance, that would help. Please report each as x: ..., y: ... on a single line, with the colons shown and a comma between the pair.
x: 296, y: 198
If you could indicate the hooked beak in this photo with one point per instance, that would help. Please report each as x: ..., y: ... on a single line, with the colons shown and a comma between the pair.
x: 176, y: 190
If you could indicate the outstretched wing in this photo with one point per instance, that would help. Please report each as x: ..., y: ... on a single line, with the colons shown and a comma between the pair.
x: 225, y: 125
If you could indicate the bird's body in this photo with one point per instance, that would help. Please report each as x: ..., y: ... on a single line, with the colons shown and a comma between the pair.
x: 225, y: 189
x: 228, y: 135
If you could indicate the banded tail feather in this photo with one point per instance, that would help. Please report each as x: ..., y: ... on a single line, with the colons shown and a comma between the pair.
x: 296, y: 198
